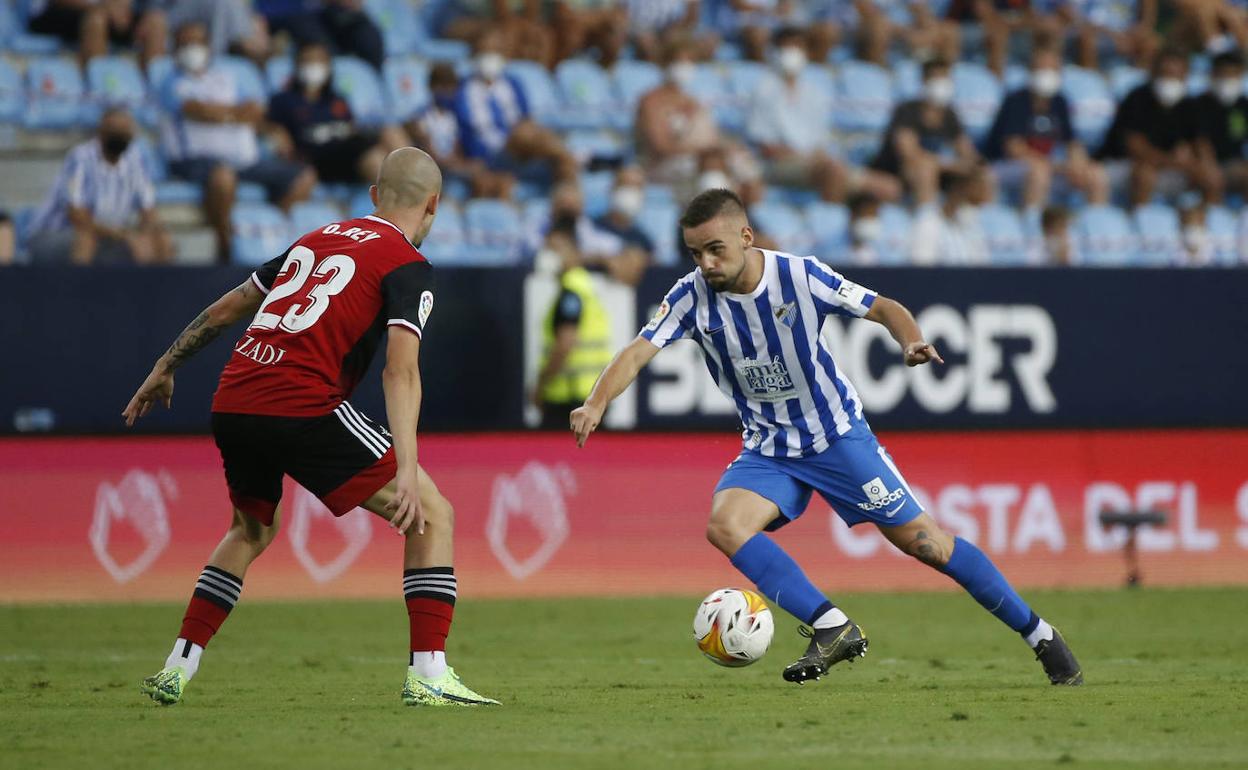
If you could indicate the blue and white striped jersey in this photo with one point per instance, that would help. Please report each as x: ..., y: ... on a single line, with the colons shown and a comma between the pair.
x: 764, y: 350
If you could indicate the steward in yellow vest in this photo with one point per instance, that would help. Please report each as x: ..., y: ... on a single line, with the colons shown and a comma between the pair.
x: 577, y: 347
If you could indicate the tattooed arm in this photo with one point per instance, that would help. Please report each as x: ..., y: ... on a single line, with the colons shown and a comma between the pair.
x: 241, y: 302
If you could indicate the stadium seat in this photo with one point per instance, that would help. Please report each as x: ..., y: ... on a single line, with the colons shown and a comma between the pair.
x: 659, y: 194
x: 55, y: 90
x: 1004, y: 235
x: 12, y: 97
x: 538, y: 87
x: 312, y: 215
x: 113, y: 80
x: 358, y: 83
x: 1105, y: 236
x: 828, y: 224
x: 976, y: 97
x: 13, y: 35
x: 261, y: 232
x: 709, y: 87
x: 278, y: 71
x: 864, y: 100
x: 586, y: 97
x: 1124, y: 78
x: 597, y: 144
x: 158, y: 71
x: 658, y: 219
x: 596, y: 191
x: 1016, y: 76
x: 1224, y: 232
x: 907, y: 80
x: 1157, y: 227
x: 178, y: 192
x: 893, y: 246
x: 1092, y: 104
x: 632, y: 80
x: 251, y: 85
x: 535, y: 214
x: 784, y: 225
x: 407, y: 86
x: 743, y: 78
x: 445, y: 243
x: 493, y: 232
x: 399, y: 26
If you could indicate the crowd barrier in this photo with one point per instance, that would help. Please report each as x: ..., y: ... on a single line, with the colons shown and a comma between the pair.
x: 87, y: 519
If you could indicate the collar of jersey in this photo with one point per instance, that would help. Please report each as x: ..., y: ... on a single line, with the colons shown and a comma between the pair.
x: 762, y: 280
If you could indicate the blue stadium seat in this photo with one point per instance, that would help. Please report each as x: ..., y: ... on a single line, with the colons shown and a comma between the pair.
x: 743, y: 78
x: 153, y: 161
x: 14, y: 37
x: 1224, y: 231
x: 261, y: 232
x: 445, y: 244
x: 178, y: 192
x: 587, y: 100
x: 251, y: 85
x: 1004, y: 235
x: 1105, y: 235
x: 907, y: 80
x: 633, y: 79
x: 55, y: 90
x: 597, y: 144
x: 158, y: 71
x: 407, y: 86
x: 1016, y: 76
x: 12, y: 96
x: 976, y: 97
x: 312, y: 215
x: 659, y: 194
x: 113, y: 80
x: 250, y: 192
x: 398, y: 24
x: 535, y: 215
x: 1157, y: 227
x: 893, y: 246
x: 538, y: 87
x: 596, y: 191
x: 784, y: 225
x: 278, y: 71
x: 864, y: 99
x: 358, y: 83
x: 361, y: 204
x: 1124, y: 78
x: 709, y: 87
x: 658, y: 219
x: 829, y: 226
x: 1092, y: 104
x: 494, y: 233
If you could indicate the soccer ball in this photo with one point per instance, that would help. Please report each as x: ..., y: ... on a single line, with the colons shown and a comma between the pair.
x: 733, y: 627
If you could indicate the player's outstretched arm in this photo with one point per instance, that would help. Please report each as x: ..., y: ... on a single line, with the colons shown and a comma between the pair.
x: 400, y: 381
x: 618, y: 375
x: 894, y: 316
x: 241, y: 302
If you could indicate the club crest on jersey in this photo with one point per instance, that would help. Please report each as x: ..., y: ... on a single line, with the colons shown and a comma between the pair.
x: 659, y: 315
x: 786, y: 313
x: 426, y: 307
x: 765, y: 380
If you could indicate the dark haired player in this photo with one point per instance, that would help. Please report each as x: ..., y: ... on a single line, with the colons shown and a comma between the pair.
x: 318, y: 314
x: 757, y: 315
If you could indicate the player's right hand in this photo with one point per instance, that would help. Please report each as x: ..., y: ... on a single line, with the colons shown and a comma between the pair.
x: 585, y: 420
x: 405, y: 505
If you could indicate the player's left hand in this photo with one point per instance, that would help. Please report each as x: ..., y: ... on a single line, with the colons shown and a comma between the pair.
x: 157, y: 387
x: 921, y: 353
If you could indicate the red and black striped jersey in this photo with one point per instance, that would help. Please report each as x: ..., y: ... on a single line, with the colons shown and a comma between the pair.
x: 328, y: 300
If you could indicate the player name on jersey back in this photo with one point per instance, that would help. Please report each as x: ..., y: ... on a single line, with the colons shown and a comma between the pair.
x: 328, y: 300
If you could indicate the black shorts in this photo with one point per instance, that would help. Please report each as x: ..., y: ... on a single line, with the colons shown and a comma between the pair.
x: 342, y: 457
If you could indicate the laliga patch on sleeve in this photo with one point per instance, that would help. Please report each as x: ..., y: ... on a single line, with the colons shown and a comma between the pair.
x: 659, y: 315
x: 851, y: 294
x: 426, y: 307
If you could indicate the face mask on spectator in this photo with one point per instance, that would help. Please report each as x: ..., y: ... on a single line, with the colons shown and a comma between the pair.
x: 193, y: 57
x: 867, y: 230
x: 491, y: 65
x: 792, y: 60
x: 681, y: 73
x: 314, y: 74
x: 1169, y: 91
x: 627, y: 200
x: 1046, y: 83
x: 1229, y: 90
x: 938, y: 91
x: 114, y: 145
x: 714, y: 180
x: 1194, y: 237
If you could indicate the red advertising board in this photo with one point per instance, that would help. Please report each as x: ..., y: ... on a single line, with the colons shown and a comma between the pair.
x: 85, y: 519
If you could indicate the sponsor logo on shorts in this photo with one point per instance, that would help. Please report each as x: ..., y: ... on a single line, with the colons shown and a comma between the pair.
x: 879, y: 496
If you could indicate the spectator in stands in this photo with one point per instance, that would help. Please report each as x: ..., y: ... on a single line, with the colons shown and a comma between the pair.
x: 1006, y: 24
x: 753, y: 22
x: 519, y: 23
x: 925, y: 137
x: 1057, y: 243
x: 93, y: 24
x: 8, y: 240
x: 655, y: 24
x: 436, y: 130
x: 673, y: 127
x: 883, y: 22
x: 495, y: 126
x: 1123, y: 28
x: 1150, y: 141
x: 636, y: 250
x: 1032, y: 141
x: 789, y: 125
x: 101, y: 209
x: 600, y: 249
x: 311, y: 118
x: 580, y: 25
x: 232, y: 26
x: 1221, y: 116
x: 342, y: 26
x: 1215, y: 26
x: 865, y: 228
x: 209, y: 134
x: 949, y: 232
x: 1197, y: 245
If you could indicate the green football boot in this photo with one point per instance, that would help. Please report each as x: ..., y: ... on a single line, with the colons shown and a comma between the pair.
x: 446, y: 690
x: 165, y: 687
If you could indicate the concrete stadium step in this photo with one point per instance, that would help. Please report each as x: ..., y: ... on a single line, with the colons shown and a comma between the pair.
x: 196, y: 246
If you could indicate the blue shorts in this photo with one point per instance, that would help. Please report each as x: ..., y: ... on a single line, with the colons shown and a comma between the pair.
x: 855, y: 475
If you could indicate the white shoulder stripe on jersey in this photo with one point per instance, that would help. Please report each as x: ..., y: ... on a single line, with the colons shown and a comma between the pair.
x: 259, y: 285
x: 367, y: 426
x: 346, y: 423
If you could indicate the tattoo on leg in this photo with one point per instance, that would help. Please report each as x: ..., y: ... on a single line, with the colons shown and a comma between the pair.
x: 927, y: 550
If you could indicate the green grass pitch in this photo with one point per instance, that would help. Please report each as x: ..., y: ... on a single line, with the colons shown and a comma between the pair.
x: 619, y: 684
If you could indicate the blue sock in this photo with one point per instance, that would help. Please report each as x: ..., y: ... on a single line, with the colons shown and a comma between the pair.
x: 779, y: 578
x: 982, y: 580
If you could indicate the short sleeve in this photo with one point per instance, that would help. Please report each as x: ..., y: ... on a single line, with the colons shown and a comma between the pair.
x: 265, y: 275
x: 833, y: 293
x: 674, y: 320
x: 567, y: 309
x: 407, y: 293
x: 76, y: 181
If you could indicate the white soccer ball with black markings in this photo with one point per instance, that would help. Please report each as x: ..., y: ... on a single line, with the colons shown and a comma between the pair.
x: 733, y: 627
